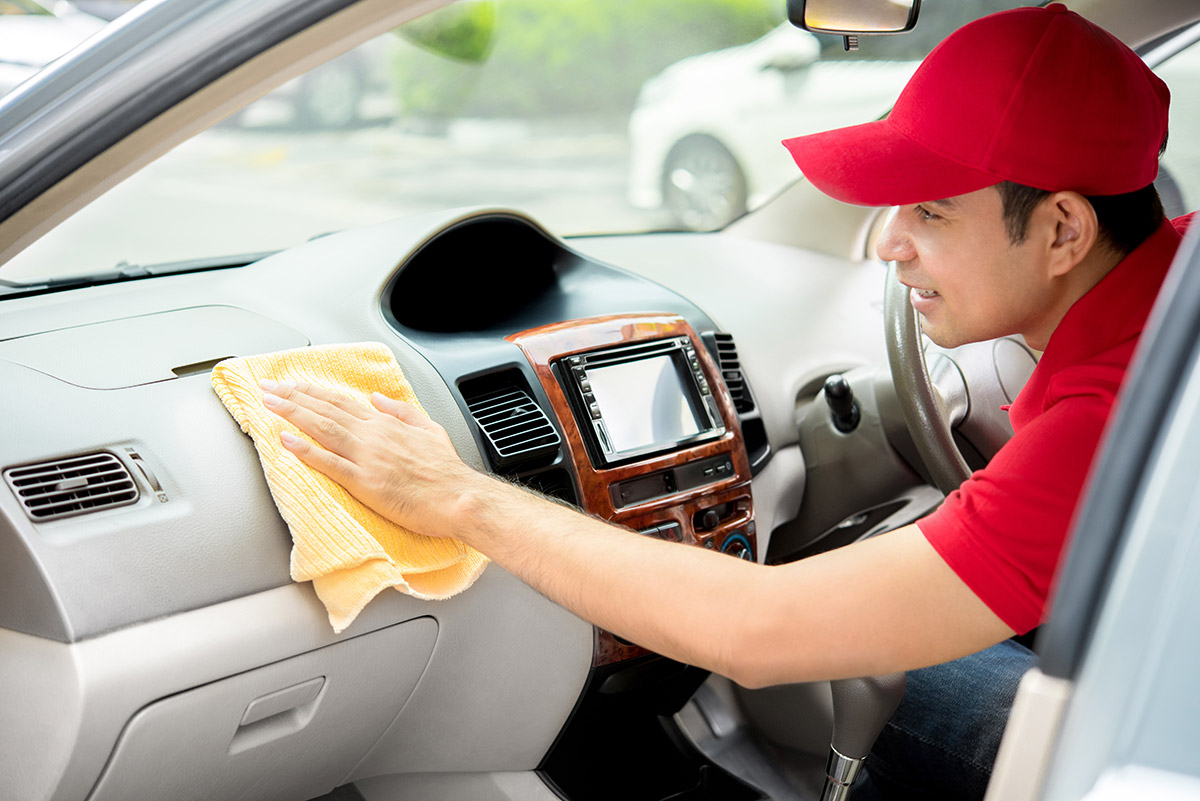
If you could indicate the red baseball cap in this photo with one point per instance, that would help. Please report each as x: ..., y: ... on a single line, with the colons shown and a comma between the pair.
x: 1038, y: 96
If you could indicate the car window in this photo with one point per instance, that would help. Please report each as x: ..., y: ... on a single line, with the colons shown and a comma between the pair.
x: 1179, y: 171
x: 595, y: 116
x: 22, y: 7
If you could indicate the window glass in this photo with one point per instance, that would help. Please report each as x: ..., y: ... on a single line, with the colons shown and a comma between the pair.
x: 1179, y: 171
x: 21, y: 7
x: 592, y: 115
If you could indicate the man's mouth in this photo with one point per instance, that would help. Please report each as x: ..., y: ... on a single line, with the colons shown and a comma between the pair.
x: 925, y: 293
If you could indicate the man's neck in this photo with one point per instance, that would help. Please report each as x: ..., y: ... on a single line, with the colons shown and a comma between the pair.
x: 1069, y: 288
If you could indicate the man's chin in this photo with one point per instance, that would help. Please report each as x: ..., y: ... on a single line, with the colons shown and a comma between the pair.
x: 948, y: 340
x: 939, y: 335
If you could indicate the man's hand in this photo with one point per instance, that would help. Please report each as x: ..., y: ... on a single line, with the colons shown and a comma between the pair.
x: 758, y: 625
x: 391, y: 457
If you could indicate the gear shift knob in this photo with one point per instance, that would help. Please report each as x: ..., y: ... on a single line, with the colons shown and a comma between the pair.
x: 861, y: 707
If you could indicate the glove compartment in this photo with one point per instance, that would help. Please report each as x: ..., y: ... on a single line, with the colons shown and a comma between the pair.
x: 289, y: 730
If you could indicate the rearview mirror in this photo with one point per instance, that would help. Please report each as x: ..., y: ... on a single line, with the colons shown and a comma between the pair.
x: 854, y: 17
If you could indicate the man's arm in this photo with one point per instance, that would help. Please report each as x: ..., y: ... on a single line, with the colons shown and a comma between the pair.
x: 886, y: 604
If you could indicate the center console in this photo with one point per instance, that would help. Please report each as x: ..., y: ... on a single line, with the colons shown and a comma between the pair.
x: 651, y: 432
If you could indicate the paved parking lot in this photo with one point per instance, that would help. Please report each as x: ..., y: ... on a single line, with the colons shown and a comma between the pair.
x: 244, y: 189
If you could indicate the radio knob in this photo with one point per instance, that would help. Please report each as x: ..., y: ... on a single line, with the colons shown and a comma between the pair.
x: 709, y: 519
x: 738, y: 546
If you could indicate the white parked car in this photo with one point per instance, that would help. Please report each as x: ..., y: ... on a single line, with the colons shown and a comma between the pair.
x: 705, y: 134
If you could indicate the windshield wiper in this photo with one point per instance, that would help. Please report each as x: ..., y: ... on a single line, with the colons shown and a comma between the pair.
x: 127, y: 272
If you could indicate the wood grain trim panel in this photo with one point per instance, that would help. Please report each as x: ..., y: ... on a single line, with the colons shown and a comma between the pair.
x: 544, y: 345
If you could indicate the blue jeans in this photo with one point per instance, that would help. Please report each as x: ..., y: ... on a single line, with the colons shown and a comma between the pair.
x: 943, y: 739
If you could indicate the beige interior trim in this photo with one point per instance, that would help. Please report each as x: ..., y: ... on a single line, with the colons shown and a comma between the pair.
x: 1029, y: 737
x: 267, y: 71
x: 838, y: 230
x: 1137, y: 29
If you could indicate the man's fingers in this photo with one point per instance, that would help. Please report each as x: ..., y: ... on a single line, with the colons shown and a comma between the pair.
x: 330, y: 432
x: 319, y: 459
x: 405, y: 412
x: 320, y: 399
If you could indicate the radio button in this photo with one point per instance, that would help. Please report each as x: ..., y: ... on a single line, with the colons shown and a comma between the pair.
x: 594, y: 409
x: 671, y: 531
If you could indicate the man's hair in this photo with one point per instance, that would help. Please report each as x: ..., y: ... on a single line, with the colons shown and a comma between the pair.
x: 1125, y: 221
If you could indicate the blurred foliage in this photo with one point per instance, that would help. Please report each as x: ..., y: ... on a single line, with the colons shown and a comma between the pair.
x: 569, y: 56
x: 462, y: 31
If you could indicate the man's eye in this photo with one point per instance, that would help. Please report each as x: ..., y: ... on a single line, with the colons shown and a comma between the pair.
x: 925, y: 214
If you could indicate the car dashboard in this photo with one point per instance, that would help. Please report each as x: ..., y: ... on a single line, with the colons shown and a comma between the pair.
x: 148, y: 614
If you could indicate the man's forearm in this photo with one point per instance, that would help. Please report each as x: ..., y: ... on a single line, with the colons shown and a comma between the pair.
x: 886, y: 604
x: 670, y: 598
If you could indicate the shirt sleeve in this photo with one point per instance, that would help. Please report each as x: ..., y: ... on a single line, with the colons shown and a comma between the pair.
x: 1003, y: 531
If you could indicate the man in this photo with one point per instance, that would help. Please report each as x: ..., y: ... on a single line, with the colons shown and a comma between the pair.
x: 1018, y: 154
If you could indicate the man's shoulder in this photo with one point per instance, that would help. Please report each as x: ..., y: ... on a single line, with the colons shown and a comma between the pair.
x: 1097, y: 379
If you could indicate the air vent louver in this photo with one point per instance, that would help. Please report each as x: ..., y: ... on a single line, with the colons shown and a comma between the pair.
x: 731, y: 371
x: 516, y: 428
x: 72, y: 486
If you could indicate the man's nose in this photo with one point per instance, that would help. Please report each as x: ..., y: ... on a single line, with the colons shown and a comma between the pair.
x: 894, y: 243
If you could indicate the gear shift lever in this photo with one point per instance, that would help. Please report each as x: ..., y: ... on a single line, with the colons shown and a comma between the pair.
x: 861, y: 707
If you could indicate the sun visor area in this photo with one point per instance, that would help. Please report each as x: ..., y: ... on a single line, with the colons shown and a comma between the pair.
x: 130, y: 351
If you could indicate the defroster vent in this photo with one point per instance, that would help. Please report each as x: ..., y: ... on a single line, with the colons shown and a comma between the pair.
x: 72, y: 486
x: 515, y: 427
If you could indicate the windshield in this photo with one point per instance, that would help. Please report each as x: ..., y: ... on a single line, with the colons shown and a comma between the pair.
x: 593, y: 116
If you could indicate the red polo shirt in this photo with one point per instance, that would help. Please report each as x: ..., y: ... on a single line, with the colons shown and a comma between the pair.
x: 1003, y: 530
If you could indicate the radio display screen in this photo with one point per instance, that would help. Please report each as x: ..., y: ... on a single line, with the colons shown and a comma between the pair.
x: 644, y: 403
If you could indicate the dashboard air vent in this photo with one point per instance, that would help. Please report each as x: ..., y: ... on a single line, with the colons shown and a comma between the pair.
x: 515, y: 427
x: 72, y: 486
x: 731, y: 371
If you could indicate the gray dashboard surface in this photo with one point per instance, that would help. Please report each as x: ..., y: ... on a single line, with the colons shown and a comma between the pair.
x: 139, y: 603
x: 217, y: 536
x: 212, y: 533
x: 129, y: 351
x: 797, y: 316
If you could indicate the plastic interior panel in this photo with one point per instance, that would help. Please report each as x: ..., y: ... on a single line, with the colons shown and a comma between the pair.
x: 156, y: 347
x: 203, y: 750
x: 796, y: 317
x: 219, y: 535
x: 502, y: 786
x: 503, y: 654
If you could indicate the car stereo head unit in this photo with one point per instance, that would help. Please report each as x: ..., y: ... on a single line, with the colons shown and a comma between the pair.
x: 640, y: 399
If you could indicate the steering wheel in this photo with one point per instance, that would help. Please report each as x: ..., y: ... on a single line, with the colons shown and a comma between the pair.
x: 927, y: 418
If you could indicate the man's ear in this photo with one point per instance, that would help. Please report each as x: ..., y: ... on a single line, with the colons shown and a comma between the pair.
x: 1075, y: 230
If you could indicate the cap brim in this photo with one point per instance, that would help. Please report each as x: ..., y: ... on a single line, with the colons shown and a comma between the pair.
x: 875, y: 165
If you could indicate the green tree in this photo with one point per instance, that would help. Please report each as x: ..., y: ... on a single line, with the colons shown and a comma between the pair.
x: 565, y: 56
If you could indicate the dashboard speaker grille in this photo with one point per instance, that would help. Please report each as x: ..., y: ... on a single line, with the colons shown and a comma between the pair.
x: 72, y: 486
x: 731, y: 371
x: 515, y: 427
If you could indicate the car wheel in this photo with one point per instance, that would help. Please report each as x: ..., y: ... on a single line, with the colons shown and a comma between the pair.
x: 703, y: 186
x: 330, y: 97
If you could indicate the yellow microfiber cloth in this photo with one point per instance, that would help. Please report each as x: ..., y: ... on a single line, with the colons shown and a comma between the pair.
x: 347, y: 551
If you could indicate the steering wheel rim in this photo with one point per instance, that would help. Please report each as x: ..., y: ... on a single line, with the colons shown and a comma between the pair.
x: 919, y: 402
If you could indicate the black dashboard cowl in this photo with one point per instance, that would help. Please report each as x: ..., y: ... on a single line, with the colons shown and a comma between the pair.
x: 474, y: 275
